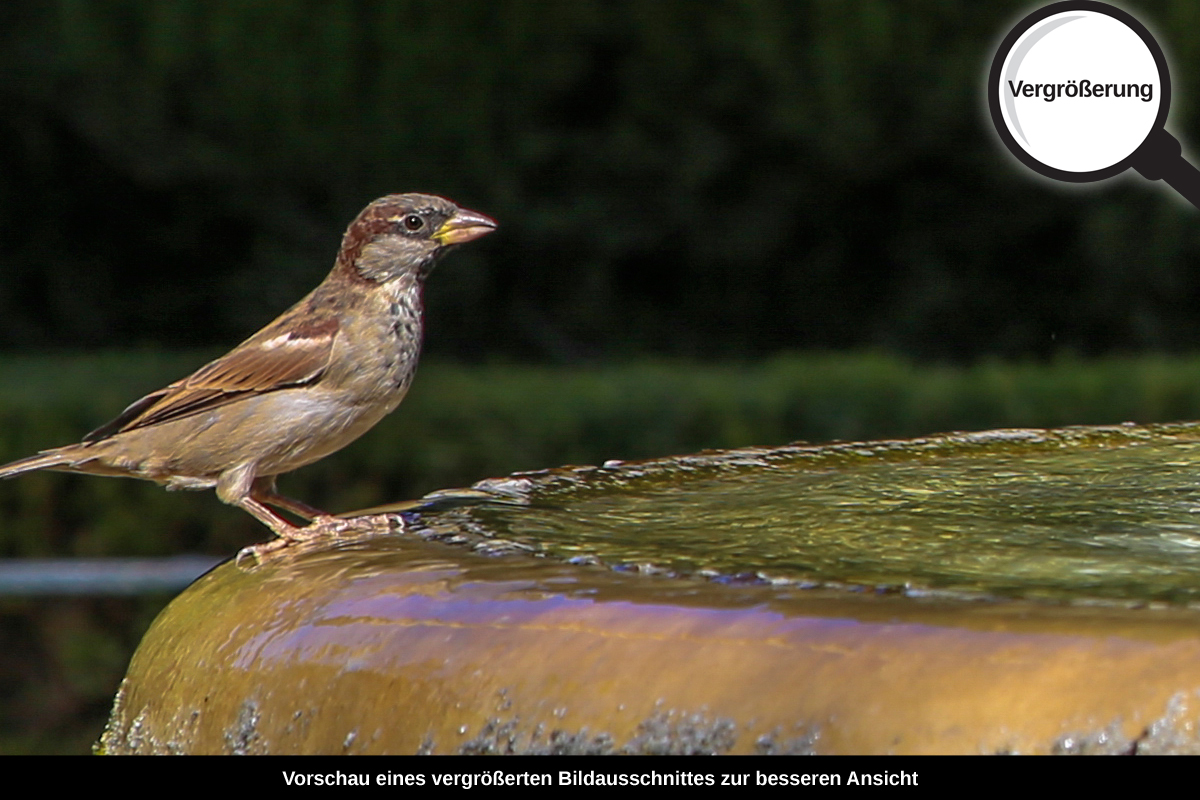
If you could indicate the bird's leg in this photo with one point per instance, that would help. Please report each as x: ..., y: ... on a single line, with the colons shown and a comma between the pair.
x: 256, y: 495
x: 264, y: 514
x: 259, y: 496
x: 321, y: 523
x: 286, y: 533
x: 237, y: 487
x: 263, y: 490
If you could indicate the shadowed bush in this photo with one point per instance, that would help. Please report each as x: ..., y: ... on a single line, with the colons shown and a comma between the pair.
x: 695, y: 179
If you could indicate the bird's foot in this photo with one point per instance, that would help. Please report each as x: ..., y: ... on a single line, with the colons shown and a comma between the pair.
x: 323, y: 526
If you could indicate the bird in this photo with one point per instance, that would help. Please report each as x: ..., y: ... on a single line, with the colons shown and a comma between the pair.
x: 309, y: 383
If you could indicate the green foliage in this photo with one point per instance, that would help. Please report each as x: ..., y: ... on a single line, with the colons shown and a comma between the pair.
x: 462, y: 423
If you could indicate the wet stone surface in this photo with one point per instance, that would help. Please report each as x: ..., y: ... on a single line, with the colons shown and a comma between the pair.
x: 1006, y: 591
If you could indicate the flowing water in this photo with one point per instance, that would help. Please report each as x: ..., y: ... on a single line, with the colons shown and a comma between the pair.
x: 1100, y: 514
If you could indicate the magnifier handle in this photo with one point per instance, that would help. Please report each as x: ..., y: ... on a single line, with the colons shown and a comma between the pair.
x: 1161, y: 158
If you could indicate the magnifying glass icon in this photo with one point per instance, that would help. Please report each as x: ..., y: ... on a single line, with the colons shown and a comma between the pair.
x: 1079, y: 91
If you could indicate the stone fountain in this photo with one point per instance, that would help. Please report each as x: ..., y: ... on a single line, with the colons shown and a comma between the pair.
x: 1013, y: 591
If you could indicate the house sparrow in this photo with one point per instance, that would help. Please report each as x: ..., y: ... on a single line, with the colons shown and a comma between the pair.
x: 308, y: 384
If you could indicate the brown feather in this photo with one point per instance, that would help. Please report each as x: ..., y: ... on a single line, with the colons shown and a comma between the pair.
x: 277, y: 357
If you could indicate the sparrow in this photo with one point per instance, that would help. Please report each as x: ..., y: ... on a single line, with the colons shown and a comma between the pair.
x: 305, y: 386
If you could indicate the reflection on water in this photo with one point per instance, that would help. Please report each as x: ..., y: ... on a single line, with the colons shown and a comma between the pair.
x: 1101, y: 514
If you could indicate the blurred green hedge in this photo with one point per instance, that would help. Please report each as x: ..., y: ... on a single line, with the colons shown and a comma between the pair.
x: 464, y: 423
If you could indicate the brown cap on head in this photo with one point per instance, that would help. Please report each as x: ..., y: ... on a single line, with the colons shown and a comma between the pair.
x: 434, y: 220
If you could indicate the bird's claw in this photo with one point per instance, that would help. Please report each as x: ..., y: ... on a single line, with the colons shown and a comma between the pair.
x: 323, y: 526
x: 258, y: 552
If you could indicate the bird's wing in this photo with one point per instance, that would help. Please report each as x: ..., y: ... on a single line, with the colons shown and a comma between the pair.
x: 283, y: 354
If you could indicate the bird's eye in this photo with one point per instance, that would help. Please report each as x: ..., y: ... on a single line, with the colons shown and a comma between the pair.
x: 414, y: 222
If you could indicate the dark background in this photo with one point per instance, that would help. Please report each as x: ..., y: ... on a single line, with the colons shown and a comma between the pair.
x: 724, y: 179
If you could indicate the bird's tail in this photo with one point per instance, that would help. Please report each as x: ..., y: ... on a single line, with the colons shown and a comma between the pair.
x: 51, y: 459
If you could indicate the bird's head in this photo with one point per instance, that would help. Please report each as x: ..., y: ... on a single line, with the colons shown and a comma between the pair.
x: 405, y: 234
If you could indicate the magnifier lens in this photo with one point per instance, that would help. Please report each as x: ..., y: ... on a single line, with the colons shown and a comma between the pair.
x: 1079, y: 92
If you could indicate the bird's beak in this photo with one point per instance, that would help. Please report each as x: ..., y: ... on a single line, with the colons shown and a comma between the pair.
x: 464, y: 226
